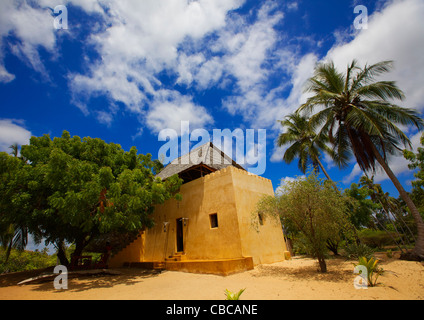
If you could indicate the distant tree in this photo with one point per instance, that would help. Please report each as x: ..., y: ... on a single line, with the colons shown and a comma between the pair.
x: 417, y: 163
x: 75, y: 189
x: 361, y: 216
x: 12, y: 234
x: 314, y: 209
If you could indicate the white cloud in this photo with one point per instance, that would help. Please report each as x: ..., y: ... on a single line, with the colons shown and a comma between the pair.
x: 245, y: 61
x: 4, y: 75
x: 398, y: 164
x: 12, y: 131
x: 145, y: 38
x: 354, y: 174
x: 395, y: 33
x: 31, y: 22
x: 33, y: 26
x: 286, y: 180
x: 302, y: 72
x: 293, y: 6
x: 105, y: 117
x: 169, y: 108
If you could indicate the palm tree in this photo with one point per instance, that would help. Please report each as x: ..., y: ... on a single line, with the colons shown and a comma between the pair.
x: 357, y: 114
x: 305, y: 143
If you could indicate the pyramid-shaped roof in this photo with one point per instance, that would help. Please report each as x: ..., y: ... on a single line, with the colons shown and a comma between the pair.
x: 204, y: 159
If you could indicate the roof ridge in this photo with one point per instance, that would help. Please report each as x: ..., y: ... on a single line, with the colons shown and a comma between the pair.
x: 209, y: 158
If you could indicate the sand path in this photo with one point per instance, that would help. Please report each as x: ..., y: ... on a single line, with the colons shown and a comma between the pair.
x: 294, y: 279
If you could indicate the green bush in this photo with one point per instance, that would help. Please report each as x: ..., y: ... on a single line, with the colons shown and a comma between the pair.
x: 355, y: 251
x: 233, y: 295
x: 377, y: 238
x: 25, y: 260
x: 373, y: 270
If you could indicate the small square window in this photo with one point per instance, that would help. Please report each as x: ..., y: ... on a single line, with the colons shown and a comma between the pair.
x: 213, y: 218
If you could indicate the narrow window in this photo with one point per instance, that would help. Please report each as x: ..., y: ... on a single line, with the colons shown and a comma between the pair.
x: 261, y: 218
x: 213, y: 218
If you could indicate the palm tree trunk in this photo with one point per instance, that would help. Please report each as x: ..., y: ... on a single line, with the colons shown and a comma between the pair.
x: 323, y: 170
x: 418, y: 251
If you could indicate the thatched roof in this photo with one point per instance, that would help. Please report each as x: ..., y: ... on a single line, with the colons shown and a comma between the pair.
x: 204, y: 159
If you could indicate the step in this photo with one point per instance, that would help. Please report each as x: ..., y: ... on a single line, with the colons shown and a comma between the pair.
x: 159, y: 265
x: 177, y: 257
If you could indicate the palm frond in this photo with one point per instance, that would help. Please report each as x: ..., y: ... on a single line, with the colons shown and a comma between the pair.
x: 368, y: 74
x: 328, y: 74
x: 383, y: 90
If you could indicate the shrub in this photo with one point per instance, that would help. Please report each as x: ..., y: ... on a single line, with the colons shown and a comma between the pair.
x: 373, y: 270
x: 233, y: 296
x: 377, y: 238
x: 354, y: 251
x: 25, y: 261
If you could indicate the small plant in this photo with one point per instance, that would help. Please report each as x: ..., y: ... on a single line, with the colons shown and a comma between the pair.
x: 373, y: 270
x: 233, y: 296
x: 389, y: 253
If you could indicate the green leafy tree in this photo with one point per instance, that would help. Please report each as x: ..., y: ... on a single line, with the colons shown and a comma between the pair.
x: 355, y: 111
x: 312, y: 208
x: 77, y: 189
x: 388, y: 212
x: 13, y: 233
x: 361, y: 216
x: 417, y: 163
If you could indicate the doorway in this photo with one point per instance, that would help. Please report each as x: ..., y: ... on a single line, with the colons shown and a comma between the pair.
x: 180, y: 238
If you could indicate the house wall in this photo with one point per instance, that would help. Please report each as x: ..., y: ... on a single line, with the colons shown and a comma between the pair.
x: 232, y: 194
x: 211, y: 194
x: 263, y: 242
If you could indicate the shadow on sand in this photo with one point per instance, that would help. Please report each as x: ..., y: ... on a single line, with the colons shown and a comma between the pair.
x: 337, y: 270
x: 78, y: 282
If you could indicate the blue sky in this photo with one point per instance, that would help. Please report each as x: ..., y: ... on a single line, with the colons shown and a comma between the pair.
x: 124, y: 70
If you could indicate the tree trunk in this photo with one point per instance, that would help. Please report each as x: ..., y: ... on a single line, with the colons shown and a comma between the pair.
x: 324, y: 171
x: 61, y: 255
x: 322, y: 264
x: 418, y: 251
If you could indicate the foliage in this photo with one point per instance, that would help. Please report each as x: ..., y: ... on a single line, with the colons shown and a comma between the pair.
x: 312, y: 209
x: 71, y: 190
x: 355, y: 250
x: 356, y: 112
x: 417, y: 163
x: 390, y: 214
x: 361, y: 214
x: 377, y: 238
x: 233, y: 296
x: 373, y: 270
x: 12, y: 200
x: 25, y: 260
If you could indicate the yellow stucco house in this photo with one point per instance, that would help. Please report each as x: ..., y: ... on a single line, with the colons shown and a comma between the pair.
x: 212, y: 229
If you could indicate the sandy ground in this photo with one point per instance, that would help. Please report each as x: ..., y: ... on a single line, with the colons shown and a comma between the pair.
x: 293, y: 279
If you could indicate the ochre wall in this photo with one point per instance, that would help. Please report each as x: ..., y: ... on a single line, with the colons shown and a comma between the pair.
x: 232, y: 194
x: 263, y: 242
